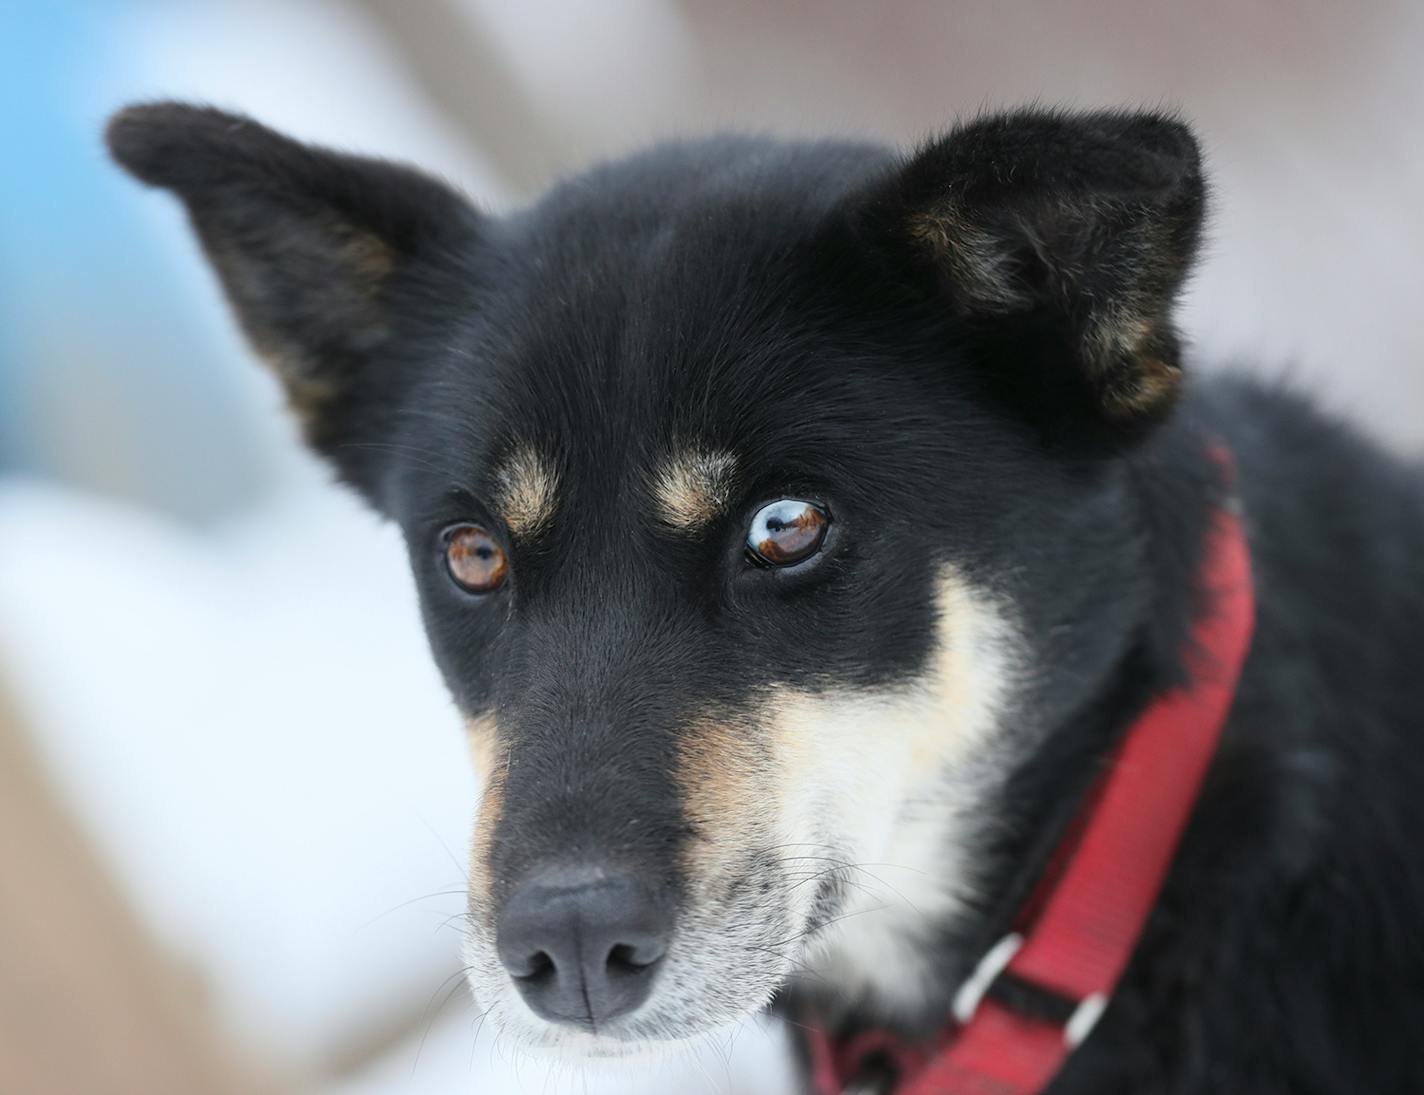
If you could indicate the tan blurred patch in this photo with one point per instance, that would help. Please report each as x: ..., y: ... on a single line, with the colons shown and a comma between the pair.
x: 90, y: 999
x: 527, y: 491
x: 693, y: 488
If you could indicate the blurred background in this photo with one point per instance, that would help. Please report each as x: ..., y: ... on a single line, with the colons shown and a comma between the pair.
x: 233, y: 796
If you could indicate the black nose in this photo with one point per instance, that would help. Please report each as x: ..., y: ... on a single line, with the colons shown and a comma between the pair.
x: 583, y: 944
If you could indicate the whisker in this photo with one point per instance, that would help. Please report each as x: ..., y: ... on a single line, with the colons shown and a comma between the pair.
x: 460, y: 973
x: 407, y: 904
x: 814, y: 929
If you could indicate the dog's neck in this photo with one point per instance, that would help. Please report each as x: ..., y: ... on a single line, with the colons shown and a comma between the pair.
x: 891, y: 966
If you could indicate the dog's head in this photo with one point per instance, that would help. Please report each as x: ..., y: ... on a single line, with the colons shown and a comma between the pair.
x: 748, y: 488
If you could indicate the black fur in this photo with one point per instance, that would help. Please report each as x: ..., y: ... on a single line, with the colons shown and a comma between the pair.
x: 969, y: 356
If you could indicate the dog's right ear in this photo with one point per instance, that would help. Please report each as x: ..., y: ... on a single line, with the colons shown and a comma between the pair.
x: 1059, y: 242
x: 319, y: 253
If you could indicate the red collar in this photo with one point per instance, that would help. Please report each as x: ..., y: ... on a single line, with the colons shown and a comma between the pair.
x: 1085, y: 919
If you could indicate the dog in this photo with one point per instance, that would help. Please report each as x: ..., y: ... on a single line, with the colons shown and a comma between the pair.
x: 809, y: 534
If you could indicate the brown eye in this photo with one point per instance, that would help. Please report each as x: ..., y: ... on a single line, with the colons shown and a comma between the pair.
x: 475, y: 559
x: 787, y: 532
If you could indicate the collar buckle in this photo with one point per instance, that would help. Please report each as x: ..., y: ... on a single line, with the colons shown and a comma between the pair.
x: 995, y: 961
x: 1084, y: 1018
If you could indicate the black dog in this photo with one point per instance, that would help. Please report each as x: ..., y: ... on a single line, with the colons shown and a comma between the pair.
x: 802, y: 528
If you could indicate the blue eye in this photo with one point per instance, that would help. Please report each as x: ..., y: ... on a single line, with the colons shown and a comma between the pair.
x: 787, y: 531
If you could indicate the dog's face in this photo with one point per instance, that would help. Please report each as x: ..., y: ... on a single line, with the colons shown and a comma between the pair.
x: 745, y: 487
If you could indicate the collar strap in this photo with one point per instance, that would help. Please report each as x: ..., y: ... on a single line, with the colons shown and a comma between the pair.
x: 1087, y: 919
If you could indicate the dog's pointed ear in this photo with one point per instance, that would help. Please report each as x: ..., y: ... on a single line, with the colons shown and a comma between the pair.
x: 315, y: 249
x: 1062, y: 241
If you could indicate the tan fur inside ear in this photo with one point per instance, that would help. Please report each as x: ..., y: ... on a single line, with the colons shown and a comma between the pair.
x: 975, y: 258
x: 357, y: 266
x: 1136, y: 374
x: 368, y: 258
x: 1125, y: 347
x: 307, y: 396
x: 1145, y: 388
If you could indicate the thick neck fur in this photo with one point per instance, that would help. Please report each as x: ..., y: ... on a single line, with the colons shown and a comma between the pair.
x: 1283, y: 953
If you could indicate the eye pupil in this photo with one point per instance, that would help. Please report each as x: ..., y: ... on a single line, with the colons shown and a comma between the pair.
x: 474, y: 559
x: 787, y: 532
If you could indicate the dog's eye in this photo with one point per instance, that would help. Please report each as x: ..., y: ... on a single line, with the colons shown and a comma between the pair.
x: 787, y: 532
x: 474, y: 559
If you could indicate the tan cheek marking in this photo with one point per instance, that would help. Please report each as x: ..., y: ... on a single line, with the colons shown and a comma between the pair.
x: 726, y: 782
x: 947, y: 713
x: 843, y: 764
x: 889, y: 778
x: 849, y: 762
x: 527, y: 490
x: 693, y: 488
x: 483, y: 742
x: 968, y: 680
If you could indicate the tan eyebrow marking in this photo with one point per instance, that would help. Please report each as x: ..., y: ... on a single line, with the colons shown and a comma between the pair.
x: 693, y: 488
x: 526, y: 492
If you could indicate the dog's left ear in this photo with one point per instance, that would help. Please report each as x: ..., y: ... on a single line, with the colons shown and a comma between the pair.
x: 328, y: 259
x: 1061, y: 241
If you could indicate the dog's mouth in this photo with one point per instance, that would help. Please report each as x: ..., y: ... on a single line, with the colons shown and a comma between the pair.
x: 688, y: 1004
x: 587, y: 963
x: 592, y: 962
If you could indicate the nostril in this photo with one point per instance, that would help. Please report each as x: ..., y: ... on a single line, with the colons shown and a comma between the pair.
x: 632, y: 959
x: 538, y: 967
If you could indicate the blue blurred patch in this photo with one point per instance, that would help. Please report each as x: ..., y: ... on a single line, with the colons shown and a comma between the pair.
x: 110, y: 378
